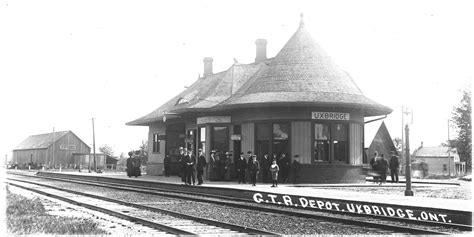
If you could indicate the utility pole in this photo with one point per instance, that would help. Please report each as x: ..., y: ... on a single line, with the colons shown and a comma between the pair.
x: 449, y: 154
x: 93, y: 144
x: 408, y: 191
x: 403, y: 138
x: 53, y: 147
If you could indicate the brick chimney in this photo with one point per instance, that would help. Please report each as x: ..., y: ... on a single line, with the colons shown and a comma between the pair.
x: 207, y: 66
x: 261, y: 54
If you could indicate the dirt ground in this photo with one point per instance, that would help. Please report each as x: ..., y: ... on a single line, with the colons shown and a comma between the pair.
x: 462, y: 191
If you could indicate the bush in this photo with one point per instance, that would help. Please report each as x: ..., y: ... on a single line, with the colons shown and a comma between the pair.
x: 28, y: 216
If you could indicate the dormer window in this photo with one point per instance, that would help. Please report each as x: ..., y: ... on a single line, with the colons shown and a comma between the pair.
x: 182, y: 101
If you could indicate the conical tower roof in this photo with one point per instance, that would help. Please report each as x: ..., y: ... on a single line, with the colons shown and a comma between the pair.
x: 303, y: 74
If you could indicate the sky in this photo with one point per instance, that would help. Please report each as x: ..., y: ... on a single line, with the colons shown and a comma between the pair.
x: 65, y: 62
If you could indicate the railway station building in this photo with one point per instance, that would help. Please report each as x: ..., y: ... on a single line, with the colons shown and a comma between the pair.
x: 298, y: 103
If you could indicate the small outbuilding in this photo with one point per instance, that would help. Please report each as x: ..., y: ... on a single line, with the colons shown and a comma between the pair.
x: 101, y: 161
x: 49, y: 150
x: 381, y: 142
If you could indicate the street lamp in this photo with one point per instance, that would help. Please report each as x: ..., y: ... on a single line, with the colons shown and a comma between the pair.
x: 408, y: 191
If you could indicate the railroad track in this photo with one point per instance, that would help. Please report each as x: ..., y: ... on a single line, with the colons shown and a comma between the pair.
x: 164, y: 221
x: 239, y: 203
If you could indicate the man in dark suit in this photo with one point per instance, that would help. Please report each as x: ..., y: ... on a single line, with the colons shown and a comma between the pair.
x: 254, y: 167
x: 200, y: 166
x: 265, y: 163
x: 394, y: 165
x: 190, y: 167
x: 241, y: 166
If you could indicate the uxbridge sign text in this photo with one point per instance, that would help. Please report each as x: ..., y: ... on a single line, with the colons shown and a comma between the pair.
x: 363, y: 208
x: 330, y: 116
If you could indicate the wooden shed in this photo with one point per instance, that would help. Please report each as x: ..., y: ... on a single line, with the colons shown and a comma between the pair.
x: 49, y: 150
x: 381, y: 142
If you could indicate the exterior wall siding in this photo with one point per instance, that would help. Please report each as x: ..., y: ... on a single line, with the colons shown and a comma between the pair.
x: 63, y: 156
x: 248, y: 137
x: 155, y: 160
x: 355, y: 144
x: 301, y: 141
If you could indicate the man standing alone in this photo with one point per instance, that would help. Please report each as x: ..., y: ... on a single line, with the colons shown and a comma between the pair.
x: 254, y: 167
x: 200, y: 166
x: 394, y: 165
x: 241, y: 164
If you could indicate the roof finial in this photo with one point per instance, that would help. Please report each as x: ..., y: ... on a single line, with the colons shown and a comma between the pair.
x: 302, y: 20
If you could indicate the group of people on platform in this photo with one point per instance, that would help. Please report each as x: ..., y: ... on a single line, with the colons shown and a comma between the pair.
x: 190, y: 168
x: 380, y: 166
x: 219, y: 167
x: 133, y: 165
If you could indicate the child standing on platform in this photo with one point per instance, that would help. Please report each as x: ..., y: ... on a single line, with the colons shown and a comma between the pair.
x: 274, y: 170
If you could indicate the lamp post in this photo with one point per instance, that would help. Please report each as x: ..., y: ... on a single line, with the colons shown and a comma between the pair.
x: 93, y: 144
x: 408, y: 191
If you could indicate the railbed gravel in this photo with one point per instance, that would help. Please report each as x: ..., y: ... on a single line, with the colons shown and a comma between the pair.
x: 276, y: 223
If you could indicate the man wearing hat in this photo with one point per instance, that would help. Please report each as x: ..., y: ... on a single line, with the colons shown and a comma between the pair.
x: 265, y: 164
x: 190, y: 168
x: 200, y: 166
x: 227, y: 162
x: 241, y: 165
x: 182, y: 164
x: 394, y: 165
x: 254, y: 167
x: 296, y: 167
x: 249, y: 159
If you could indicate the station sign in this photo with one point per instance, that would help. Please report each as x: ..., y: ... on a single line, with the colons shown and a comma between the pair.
x: 213, y: 119
x: 365, y: 208
x: 236, y: 137
x: 330, y: 116
x: 67, y: 147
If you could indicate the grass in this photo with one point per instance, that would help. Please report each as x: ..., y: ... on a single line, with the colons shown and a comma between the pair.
x: 28, y: 216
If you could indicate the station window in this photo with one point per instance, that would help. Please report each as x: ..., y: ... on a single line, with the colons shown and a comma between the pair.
x: 280, y: 138
x: 156, y: 143
x: 220, y: 140
x: 331, y: 142
x: 202, y: 139
x: 340, y: 142
x: 321, y: 142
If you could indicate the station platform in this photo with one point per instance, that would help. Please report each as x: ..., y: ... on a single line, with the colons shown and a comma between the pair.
x: 318, y: 196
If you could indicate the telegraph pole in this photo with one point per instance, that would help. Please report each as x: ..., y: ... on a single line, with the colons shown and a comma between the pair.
x: 93, y: 144
x: 403, y: 127
x: 449, y: 154
x: 408, y: 191
x: 53, y: 147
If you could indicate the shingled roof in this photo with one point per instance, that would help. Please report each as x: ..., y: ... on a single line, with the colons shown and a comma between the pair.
x: 440, y: 151
x: 205, y: 93
x: 40, y: 141
x: 301, y: 74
